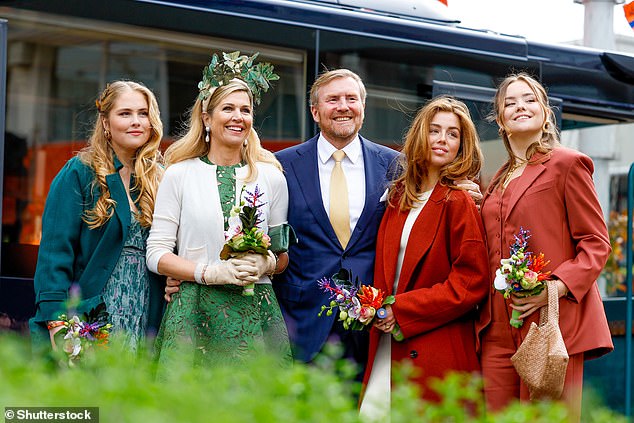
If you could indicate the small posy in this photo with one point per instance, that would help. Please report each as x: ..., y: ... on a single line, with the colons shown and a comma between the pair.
x: 244, y: 233
x: 521, y: 274
x: 358, y: 304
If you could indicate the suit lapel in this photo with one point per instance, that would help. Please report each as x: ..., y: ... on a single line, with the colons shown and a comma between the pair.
x: 531, y: 172
x: 422, y: 235
x: 307, y: 174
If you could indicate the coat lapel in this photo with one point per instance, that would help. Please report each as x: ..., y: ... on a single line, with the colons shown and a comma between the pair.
x: 422, y: 235
x: 392, y: 244
x: 307, y: 174
x: 118, y: 194
x: 375, y: 184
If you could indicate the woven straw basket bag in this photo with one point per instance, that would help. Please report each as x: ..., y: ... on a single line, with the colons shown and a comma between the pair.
x: 541, y: 360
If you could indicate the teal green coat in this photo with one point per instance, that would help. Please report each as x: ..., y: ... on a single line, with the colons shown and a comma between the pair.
x: 71, y: 253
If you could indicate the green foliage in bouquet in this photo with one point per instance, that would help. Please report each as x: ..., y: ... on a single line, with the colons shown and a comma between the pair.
x: 244, y: 234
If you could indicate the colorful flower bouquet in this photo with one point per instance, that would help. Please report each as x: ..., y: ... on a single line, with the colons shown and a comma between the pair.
x: 245, y: 234
x: 521, y: 274
x: 358, y: 304
x: 80, y: 335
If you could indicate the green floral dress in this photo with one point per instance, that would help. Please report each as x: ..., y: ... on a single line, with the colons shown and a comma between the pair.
x: 217, y: 325
x: 127, y: 292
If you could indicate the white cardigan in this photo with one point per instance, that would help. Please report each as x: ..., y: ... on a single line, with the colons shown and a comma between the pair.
x: 188, y: 218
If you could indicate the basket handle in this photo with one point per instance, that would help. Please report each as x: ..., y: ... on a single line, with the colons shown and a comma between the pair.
x: 550, y: 312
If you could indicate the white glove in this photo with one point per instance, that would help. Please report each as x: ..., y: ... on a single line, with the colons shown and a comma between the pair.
x: 231, y: 272
x: 265, y: 264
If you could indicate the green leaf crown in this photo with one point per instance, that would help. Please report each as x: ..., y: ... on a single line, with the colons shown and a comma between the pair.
x: 222, y: 70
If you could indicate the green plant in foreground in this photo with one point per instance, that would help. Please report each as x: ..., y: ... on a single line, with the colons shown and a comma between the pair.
x: 125, y: 389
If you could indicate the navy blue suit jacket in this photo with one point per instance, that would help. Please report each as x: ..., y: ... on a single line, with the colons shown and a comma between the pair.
x: 318, y: 253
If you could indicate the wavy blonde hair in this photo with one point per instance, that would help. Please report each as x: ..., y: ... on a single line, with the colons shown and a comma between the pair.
x: 98, y: 154
x: 550, y: 134
x: 192, y: 143
x: 417, y: 153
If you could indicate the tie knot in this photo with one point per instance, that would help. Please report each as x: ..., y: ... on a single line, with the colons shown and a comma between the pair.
x: 338, y: 155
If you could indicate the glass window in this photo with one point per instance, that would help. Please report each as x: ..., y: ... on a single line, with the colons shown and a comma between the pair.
x: 54, y: 73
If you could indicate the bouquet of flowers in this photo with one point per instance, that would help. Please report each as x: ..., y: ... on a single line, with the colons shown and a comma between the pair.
x: 245, y: 234
x: 358, y: 304
x: 521, y: 274
x: 80, y: 335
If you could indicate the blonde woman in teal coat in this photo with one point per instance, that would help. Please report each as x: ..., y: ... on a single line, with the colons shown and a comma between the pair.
x: 97, y: 217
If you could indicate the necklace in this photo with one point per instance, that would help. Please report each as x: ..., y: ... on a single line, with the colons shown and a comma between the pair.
x: 509, y: 175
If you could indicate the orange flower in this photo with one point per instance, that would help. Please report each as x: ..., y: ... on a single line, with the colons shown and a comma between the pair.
x: 370, y: 297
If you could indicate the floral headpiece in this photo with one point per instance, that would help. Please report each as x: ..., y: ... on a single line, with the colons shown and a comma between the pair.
x: 220, y: 71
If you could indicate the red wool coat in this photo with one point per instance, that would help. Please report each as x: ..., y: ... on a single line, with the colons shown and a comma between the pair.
x: 443, y: 278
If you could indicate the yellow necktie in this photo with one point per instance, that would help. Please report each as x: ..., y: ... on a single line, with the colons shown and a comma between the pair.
x: 339, y: 211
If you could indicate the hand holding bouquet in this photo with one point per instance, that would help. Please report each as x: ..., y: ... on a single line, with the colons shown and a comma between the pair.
x: 358, y: 304
x: 245, y: 234
x: 81, y: 335
x: 521, y: 274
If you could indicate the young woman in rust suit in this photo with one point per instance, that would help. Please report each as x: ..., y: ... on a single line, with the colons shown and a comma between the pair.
x: 431, y: 255
x: 548, y: 190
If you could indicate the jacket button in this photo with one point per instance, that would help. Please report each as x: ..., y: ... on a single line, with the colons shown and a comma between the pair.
x: 413, y: 353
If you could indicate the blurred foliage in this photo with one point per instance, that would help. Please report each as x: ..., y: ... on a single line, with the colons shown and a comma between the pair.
x: 126, y: 389
x: 615, y: 271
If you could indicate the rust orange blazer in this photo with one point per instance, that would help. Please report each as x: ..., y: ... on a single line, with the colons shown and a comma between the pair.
x: 444, y: 277
x: 556, y: 200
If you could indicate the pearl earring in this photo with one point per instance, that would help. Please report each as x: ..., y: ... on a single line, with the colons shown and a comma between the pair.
x: 245, y: 142
x: 207, y: 130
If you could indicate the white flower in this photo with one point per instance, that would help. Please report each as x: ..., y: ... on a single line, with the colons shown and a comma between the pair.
x: 500, y: 281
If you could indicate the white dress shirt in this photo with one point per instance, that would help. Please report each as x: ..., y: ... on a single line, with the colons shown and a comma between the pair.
x: 354, y: 170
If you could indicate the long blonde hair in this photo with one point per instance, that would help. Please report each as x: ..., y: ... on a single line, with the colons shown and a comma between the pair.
x: 192, y: 143
x: 550, y: 134
x: 98, y: 154
x: 417, y: 153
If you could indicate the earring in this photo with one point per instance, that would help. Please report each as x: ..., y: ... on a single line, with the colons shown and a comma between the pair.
x: 245, y: 142
x: 207, y: 130
x: 107, y: 134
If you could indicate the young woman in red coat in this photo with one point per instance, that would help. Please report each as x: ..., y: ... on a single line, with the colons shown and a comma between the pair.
x: 431, y: 255
x: 548, y: 190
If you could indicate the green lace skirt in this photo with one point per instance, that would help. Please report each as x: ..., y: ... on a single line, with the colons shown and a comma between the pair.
x: 217, y: 325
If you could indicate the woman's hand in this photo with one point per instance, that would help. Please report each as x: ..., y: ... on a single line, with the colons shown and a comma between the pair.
x: 472, y: 189
x: 265, y: 264
x: 54, y: 327
x: 529, y: 305
x: 172, y: 287
x: 387, y: 323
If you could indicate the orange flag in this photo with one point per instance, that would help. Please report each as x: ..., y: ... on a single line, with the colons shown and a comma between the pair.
x: 629, y: 13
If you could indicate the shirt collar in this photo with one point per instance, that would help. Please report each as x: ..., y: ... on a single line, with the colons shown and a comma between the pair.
x: 325, y: 149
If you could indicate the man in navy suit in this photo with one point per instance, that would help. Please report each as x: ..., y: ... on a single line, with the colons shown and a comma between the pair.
x: 337, y: 102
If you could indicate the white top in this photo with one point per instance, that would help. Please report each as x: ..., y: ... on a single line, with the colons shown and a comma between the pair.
x: 376, y: 401
x: 187, y: 214
x: 354, y: 170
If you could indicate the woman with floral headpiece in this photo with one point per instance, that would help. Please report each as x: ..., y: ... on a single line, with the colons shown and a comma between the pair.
x: 97, y: 218
x: 214, y: 169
